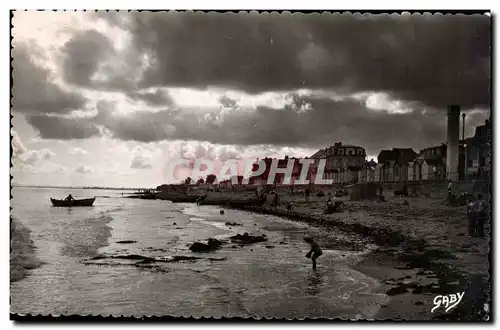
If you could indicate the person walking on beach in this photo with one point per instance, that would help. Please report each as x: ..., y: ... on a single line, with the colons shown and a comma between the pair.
x: 330, y: 207
x: 481, y: 215
x: 307, y: 192
x: 276, y: 200
x: 450, y: 189
x: 472, y: 217
x: 315, y: 251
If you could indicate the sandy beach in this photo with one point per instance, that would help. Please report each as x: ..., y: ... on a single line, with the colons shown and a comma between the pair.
x: 423, y: 248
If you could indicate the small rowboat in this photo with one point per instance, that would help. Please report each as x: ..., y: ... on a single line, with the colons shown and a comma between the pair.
x: 70, y: 203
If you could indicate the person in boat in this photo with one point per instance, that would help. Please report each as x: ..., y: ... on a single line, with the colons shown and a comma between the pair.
x: 315, y: 251
x: 69, y: 198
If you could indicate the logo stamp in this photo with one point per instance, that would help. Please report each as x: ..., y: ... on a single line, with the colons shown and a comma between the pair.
x: 447, y: 301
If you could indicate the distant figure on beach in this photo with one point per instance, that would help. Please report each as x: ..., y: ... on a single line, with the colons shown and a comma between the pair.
x: 200, y: 199
x: 315, y: 251
x: 260, y: 192
x: 381, y: 197
x: 480, y: 215
x: 69, y: 198
x: 330, y: 208
x: 472, y: 217
x: 221, y: 212
x: 289, y: 207
x: 276, y: 200
x: 450, y: 198
x: 307, y: 192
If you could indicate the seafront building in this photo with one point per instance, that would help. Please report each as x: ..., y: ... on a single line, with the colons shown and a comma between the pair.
x: 346, y: 163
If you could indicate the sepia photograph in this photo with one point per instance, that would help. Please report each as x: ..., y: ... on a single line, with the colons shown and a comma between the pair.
x: 251, y: 164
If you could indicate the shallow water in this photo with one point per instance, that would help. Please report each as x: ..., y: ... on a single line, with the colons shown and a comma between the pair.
x: 86, y: 271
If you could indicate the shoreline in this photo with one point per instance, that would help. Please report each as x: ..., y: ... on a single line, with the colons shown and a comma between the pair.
x: 413, y: 266
x: 22, y: 251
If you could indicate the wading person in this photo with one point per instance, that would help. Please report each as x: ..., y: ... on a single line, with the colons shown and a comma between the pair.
x: 315, y: 251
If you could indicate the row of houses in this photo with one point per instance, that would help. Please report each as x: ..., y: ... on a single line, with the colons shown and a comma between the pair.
x: 474, y: 156
x: 347, y: 163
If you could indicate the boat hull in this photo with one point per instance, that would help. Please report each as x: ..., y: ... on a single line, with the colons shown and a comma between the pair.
x: 76, y: 202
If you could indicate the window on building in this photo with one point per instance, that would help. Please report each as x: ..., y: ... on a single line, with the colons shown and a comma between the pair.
x: 469, y: 163
x: 350, y: 153
x: 341, y: 152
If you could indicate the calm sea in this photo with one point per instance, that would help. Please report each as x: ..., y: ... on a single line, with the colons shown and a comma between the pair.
x: 77, y: 264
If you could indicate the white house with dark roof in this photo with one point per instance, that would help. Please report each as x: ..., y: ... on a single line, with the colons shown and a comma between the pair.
x: 343, y: 161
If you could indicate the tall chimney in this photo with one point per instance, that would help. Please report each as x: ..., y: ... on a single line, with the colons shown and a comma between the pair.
x: 463, y: 126
x: 453, y: 142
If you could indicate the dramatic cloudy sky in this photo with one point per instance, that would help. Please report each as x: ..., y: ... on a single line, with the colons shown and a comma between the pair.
x: 110, y: 98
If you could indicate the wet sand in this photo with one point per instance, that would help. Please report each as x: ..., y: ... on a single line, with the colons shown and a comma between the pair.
x: 424, y: 249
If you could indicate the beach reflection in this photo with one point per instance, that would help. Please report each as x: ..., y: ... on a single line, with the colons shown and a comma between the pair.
x: 316, y: 280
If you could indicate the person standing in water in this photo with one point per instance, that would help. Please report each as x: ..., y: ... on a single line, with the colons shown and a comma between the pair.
x: 315, y: 251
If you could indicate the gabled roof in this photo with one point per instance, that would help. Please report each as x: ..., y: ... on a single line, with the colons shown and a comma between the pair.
x: 434, y: 161
x: 398, y: 155
x: 322, y: 153
x: 385, y: 156
x: 319, y: 154
x: 350, y: 146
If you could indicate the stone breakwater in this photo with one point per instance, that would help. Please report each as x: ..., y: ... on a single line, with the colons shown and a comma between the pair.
x: 418, y: 238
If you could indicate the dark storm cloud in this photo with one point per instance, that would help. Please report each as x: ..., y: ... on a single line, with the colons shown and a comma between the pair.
x: 428, y: 61
x: 33, y: 89
x: 324, y: 123
x: 89, y: 53
x: 436, y: 60
x: 154, y: 99
x: 60, y: 128
x: 83, y: 54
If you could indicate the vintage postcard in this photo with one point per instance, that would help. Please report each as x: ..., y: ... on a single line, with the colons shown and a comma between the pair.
x: 255, y: 165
